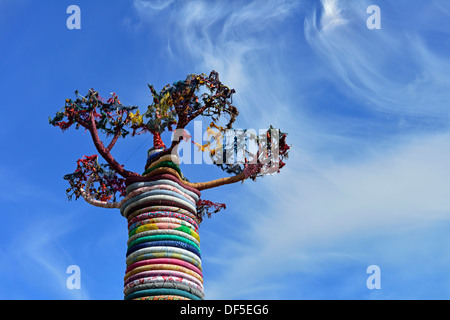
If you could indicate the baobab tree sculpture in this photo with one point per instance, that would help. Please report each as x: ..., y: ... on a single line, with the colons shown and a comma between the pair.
x: 162, y: 207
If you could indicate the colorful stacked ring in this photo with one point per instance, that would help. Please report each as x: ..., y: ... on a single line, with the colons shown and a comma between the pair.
x: 163, y: 256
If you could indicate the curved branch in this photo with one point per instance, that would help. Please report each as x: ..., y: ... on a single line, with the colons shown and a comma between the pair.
x: 248, y: 171
x: 113, y: 141
x: 105, y: 152
x: 218, y: 182
x: 89, y: 199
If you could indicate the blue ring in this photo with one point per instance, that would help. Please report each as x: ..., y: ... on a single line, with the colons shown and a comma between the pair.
x: 163, y: 243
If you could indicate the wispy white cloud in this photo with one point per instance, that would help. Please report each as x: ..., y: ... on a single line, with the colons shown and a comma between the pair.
x: 390, y: 70
x: 152, y: 4
x: 331, y: 16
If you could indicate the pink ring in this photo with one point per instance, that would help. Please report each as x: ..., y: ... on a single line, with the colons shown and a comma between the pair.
x: 164, y: 261
x: 152, y: 273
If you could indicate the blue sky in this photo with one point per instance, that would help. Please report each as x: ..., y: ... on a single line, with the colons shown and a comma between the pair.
x: 367, y: 182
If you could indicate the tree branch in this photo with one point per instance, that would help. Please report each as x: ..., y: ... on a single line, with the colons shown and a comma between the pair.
x: 105, y: 152
x: 89, y: 199
x: 197, y: 113
x: 114, y: 140
x: 248, y: 171
x: 218, y: 182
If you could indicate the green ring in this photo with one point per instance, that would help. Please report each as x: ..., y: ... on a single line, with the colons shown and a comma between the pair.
x: 162, y: 237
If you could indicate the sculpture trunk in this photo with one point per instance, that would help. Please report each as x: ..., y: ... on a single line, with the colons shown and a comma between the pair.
x: 163, y: 259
